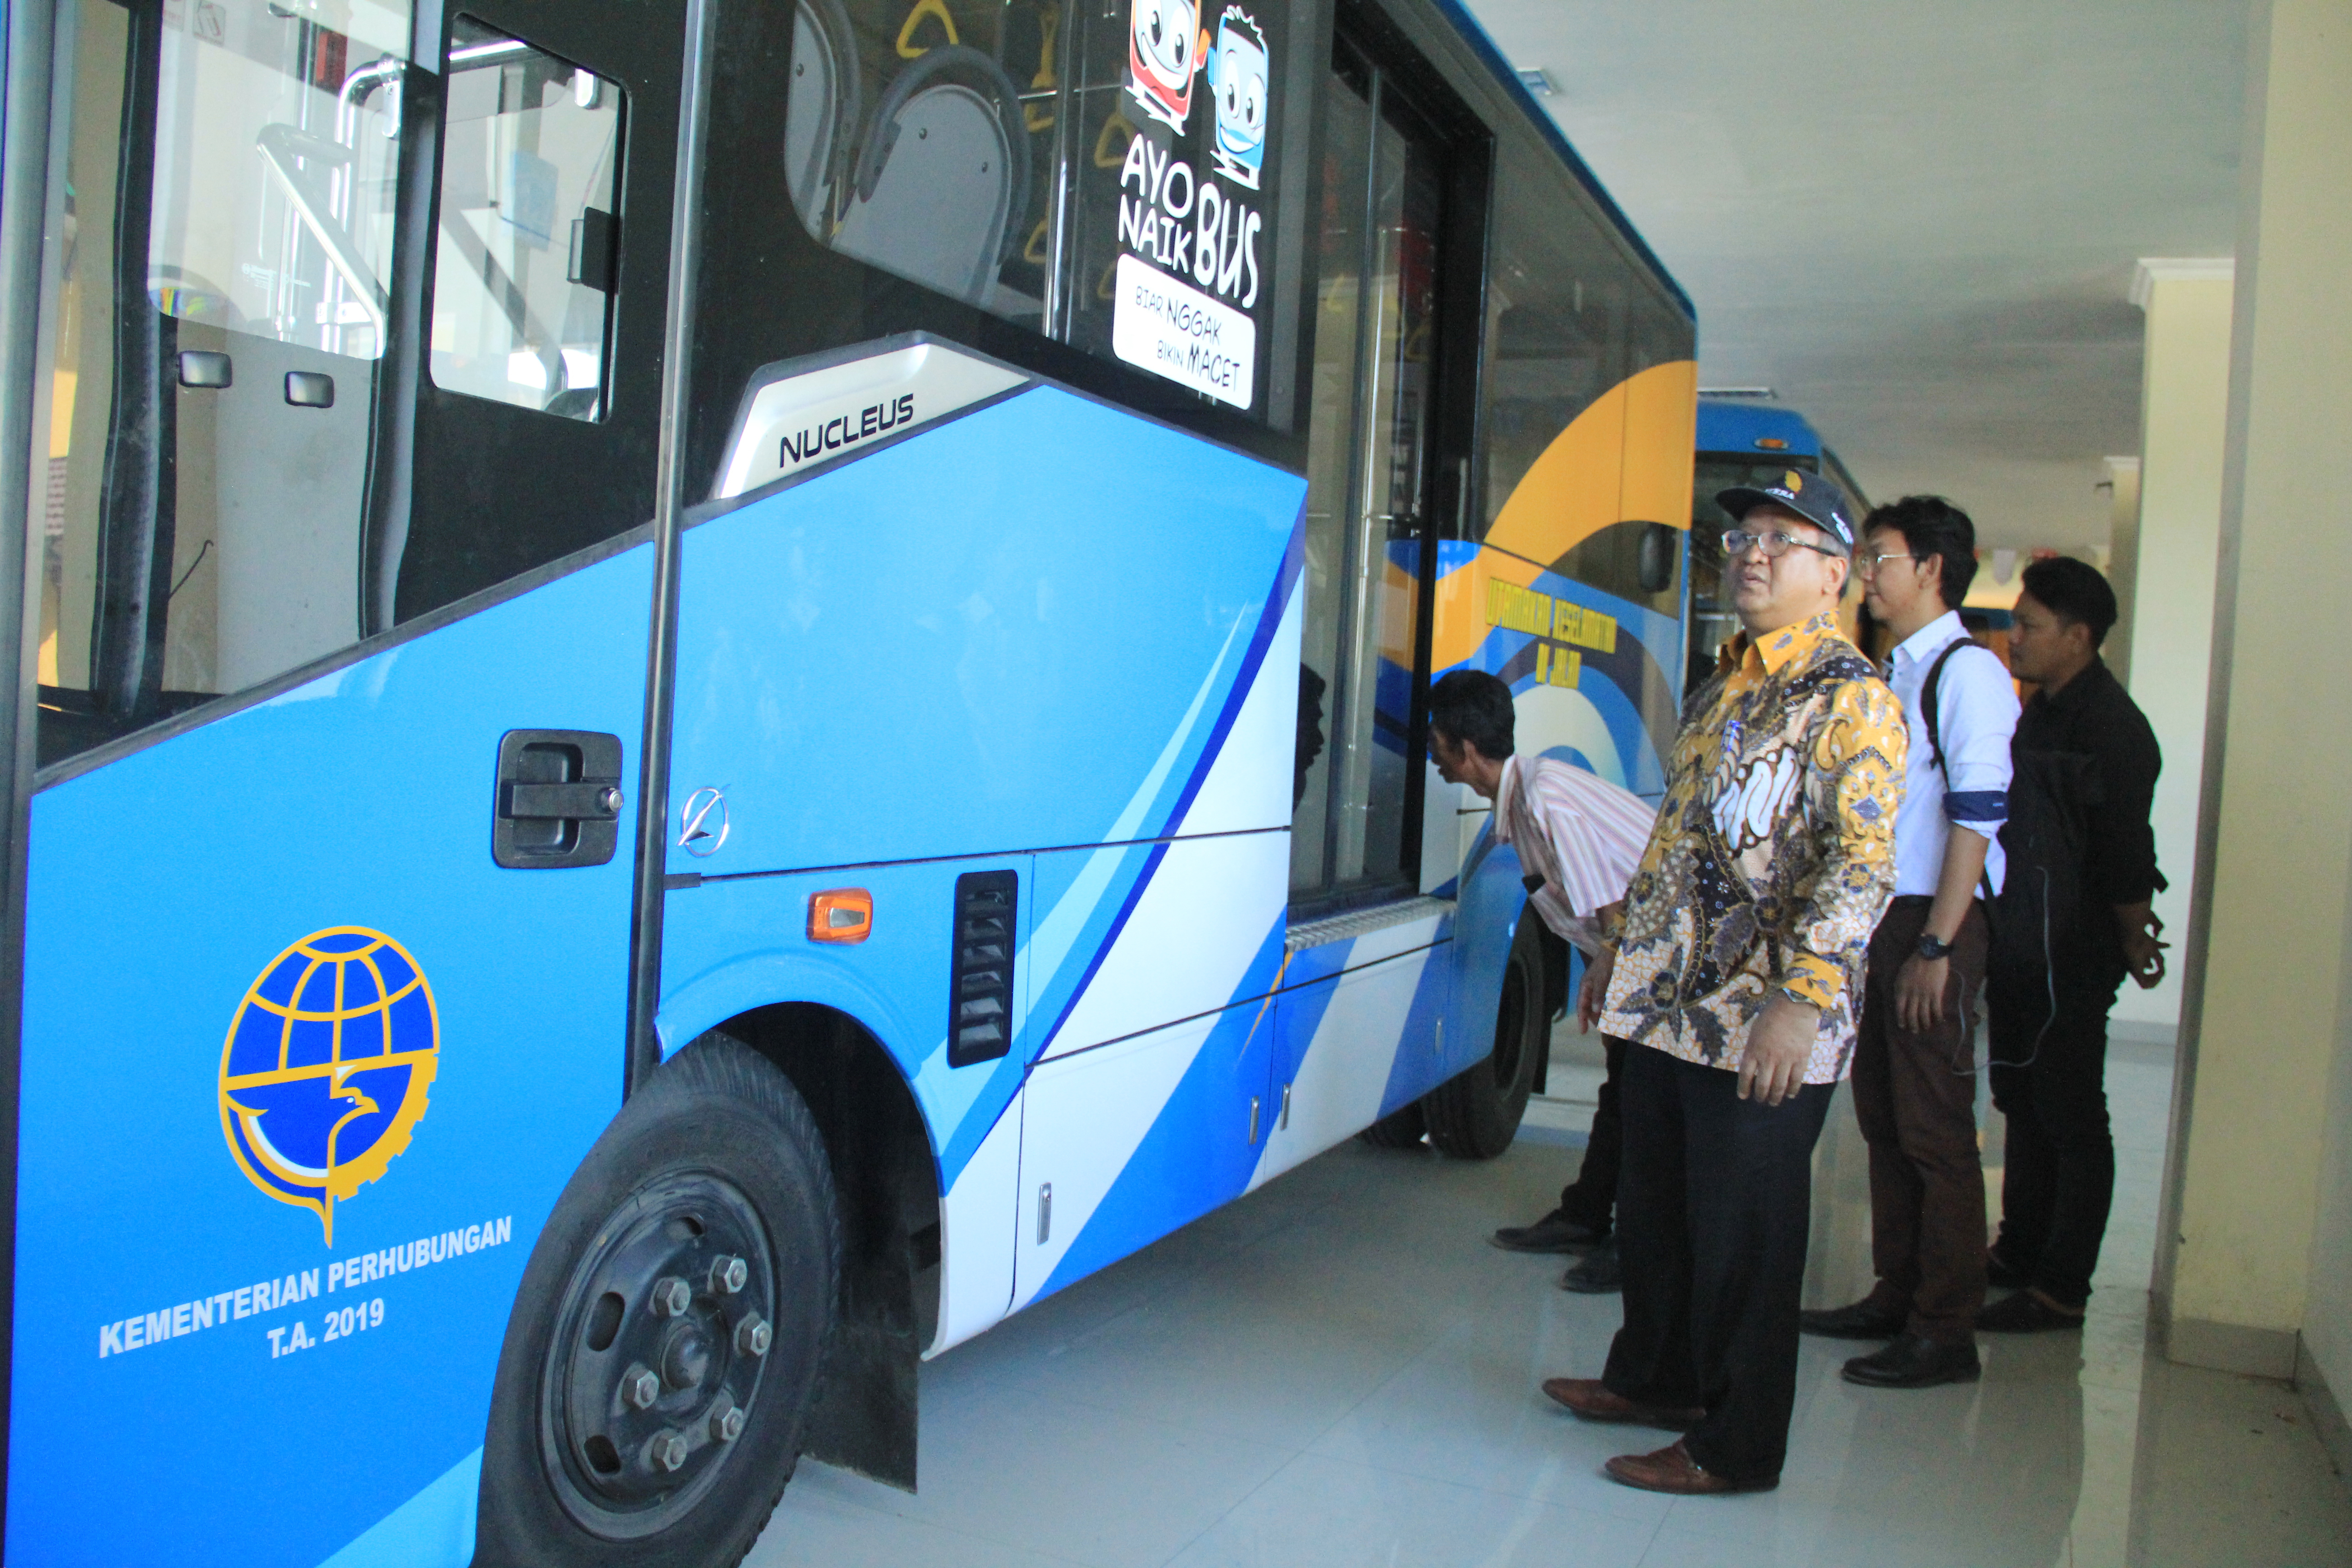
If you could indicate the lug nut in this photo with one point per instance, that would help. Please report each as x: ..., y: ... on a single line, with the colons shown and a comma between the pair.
x: 640, y: 1386
x: 666, y: 1450
x: 752, y: 1336
x: 672, y: 1297
x: 730, y: 1274
x: 726, y: 1425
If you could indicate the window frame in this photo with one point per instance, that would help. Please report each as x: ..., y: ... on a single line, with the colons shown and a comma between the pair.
x: 616, y: 179
x: 757, y: 242
x: 394, y: 463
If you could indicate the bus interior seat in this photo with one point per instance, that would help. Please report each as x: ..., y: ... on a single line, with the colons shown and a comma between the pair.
x: 942, y: 173
x: 821, y: 109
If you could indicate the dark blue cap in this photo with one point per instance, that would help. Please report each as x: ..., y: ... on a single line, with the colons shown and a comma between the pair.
x: 1816, y: 498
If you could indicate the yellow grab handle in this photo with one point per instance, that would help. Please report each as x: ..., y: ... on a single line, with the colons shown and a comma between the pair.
x: 923, y: 9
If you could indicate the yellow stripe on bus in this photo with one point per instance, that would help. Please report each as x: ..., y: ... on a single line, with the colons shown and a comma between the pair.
x: 1627, y: 456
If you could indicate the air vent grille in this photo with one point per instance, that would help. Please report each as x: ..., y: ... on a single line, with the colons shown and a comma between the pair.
x: 979, y: 988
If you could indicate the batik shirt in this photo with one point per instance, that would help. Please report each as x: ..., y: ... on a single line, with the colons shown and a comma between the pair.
x: 1773, y: 855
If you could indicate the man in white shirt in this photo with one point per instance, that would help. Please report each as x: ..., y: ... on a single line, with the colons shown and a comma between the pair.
x: 1578, y: 839
x: 1915, y: 1057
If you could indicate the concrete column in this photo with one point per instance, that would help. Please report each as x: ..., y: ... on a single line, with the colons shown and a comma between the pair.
x: 2184, y: 415
x: 2122, y: 485
x: 2264, y: 1004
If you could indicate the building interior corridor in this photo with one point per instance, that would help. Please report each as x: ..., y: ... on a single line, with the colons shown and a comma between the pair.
x: 1338, y: 1370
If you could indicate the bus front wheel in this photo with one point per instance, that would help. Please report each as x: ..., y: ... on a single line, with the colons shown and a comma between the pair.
x: 1476, y: 1113
x: 663, y: 1356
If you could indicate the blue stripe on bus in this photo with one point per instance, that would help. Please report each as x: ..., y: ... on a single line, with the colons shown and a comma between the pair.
x: 1415, y: 1073
x: 1005, y: 683
x: 433, y: 1529
x: 1253, y: 666
x: 1658, y: 641
x: 986, y: 660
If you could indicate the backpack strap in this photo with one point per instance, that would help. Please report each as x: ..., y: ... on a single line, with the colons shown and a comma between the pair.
x: 1928, y: 706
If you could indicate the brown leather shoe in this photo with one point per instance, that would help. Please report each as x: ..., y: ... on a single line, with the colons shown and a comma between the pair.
x: 1674, y: 1470
x: 1588, y: 1400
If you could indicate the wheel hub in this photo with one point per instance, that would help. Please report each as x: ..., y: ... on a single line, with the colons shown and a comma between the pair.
x: 657, y: 1359
x: 686, y: 1358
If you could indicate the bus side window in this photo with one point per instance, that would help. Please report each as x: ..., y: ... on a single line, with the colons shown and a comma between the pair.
x: 213, y: 314
x: 528, y: 248
x: 907, y: 143
x: 1556, y: 330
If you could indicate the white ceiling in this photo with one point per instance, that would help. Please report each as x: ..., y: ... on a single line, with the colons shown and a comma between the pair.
x: 1917, y: 222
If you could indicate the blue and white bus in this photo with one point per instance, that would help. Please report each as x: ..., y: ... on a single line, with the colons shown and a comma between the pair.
x: 710, y: 691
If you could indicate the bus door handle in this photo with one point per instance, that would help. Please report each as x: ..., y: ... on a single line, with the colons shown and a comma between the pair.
x: 558, y: 801
x: 563, y: 801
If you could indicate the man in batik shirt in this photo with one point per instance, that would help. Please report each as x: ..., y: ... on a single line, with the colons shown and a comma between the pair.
x: 1737, y: 979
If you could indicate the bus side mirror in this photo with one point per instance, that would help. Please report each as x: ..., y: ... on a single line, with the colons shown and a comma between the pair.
x: 1660, y: 553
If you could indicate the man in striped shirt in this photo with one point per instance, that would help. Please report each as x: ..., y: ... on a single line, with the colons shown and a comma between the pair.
x: 1578, y: 839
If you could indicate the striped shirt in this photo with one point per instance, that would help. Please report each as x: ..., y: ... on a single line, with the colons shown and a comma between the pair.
x: 1583, y: 836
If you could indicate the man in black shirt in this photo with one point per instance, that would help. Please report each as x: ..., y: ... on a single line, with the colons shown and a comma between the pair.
x: 2084, y: 743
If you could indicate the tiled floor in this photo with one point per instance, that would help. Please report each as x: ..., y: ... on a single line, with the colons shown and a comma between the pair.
x: 1340, y: 1371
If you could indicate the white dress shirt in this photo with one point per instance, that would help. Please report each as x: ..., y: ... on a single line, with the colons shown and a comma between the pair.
x: 1582, y: 834
x: 1976, y: 714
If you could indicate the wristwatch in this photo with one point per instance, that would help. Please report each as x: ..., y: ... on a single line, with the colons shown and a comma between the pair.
x: 1931, y: 949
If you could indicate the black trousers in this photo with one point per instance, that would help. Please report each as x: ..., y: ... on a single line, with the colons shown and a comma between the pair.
x: 1592, y: 1198
x: 1714, y: 1203
x: 2050, y: 1079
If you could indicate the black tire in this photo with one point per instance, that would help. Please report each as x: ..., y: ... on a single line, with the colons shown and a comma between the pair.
x: 1404, y: 1128
x: 714, y: 1161
x: 1475, y: 1114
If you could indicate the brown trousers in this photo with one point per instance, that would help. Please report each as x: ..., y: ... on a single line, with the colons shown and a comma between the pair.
x: 1915, y: 1095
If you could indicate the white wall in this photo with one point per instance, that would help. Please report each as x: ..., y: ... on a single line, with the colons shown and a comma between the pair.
x: 2259, y: 1146
x: 2327, y: 1313
x: 2122, y: 557
x: 2168, y: 581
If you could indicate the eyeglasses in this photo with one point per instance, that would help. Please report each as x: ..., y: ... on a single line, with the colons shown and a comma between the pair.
x: 1737, y: 542
x: 1869, y: 564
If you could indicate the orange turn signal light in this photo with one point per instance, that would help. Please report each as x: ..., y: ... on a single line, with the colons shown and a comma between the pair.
x: 841, y: 914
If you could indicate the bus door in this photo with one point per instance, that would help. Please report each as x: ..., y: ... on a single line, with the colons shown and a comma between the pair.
x: 346, y: 410
x: 1363, y: 993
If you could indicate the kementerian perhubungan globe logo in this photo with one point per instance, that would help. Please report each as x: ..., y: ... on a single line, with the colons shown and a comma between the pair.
x: 325, y: 1071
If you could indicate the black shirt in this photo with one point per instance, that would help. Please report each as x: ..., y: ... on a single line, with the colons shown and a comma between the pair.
x: 2093, y: 715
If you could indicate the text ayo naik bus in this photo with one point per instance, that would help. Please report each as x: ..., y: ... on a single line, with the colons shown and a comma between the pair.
x: 660, y: 761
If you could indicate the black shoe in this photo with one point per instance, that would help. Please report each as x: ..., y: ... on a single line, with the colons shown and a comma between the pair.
x: 1915, y: 1362
x: 2026, y: 1313
x: 1865, y: 1320
x: 2002, y: 1274
x: 1599, y: 1274
x: 1553, y: 1233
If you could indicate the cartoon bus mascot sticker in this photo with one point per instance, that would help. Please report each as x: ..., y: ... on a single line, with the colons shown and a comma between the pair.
x: 1237, y: 81
x: 1164, y: 52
